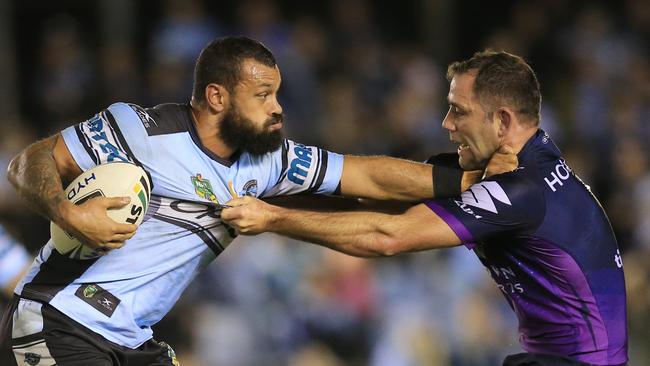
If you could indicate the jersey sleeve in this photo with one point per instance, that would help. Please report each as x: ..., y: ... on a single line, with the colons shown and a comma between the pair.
x: 13, y: 258
x: 114, y: 134
x: 506, y: 204
x: 297, y: 168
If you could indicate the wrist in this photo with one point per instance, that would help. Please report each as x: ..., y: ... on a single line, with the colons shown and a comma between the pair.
x: 62, y: 212
x: 447, y: 175
x: 276, y: 216
x: 470, y: 177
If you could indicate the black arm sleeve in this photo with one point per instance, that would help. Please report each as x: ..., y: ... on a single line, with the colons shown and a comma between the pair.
x: 447, y: 174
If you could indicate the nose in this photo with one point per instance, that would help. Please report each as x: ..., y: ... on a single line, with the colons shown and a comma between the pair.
x: 277, y: 108
x: 447, y: 124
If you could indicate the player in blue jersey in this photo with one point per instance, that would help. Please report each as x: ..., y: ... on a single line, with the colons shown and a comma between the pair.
x: 225, y: 143
x: 539, y: 230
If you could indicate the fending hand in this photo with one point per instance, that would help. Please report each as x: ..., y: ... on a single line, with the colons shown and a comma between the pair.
x: 502, y: 161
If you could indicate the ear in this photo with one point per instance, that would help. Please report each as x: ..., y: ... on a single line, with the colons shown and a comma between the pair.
x: 217, y: 97
x: 505, y: 119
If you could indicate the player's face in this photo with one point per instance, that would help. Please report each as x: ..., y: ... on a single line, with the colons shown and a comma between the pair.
x: 253, y: 121
x: 469, y: 124
x: 256, y: 95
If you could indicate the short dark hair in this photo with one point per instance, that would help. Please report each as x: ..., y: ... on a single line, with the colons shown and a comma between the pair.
x: 221, y: 60
x: 504, y: 78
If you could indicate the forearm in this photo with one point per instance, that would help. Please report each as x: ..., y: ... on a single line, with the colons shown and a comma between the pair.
x: 386, y: 178
x: 358, y: 233
x: 34, y: 175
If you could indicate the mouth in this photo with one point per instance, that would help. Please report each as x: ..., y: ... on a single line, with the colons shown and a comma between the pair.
x: 461, y: 146
x: 275, y: 126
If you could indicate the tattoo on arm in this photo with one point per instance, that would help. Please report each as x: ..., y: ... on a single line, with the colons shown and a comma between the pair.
x: 35, y: 176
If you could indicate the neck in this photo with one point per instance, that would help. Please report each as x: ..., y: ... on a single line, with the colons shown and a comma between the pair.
x: 207, y: 127
x: 518, y: 137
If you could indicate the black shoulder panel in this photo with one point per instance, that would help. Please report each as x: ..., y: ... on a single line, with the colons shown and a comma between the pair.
x: 164, y: 118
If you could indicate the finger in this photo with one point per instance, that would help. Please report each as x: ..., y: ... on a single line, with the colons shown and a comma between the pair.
x: 107, y: 247
x: 506, y: 149
x: 237, y: 201
x: 115, y: 244
x: 121, y: 237
x: 118, y: 228
x: 229, y: 214
x: 117, y: 202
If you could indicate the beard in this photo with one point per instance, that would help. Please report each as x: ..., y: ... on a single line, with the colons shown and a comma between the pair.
x: 241, y: 133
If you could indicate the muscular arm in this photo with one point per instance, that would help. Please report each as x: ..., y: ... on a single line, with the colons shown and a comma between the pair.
x: 358, y: 233
x: 38, y: 177
x: 389, y: 183
x: 386, y: 178
x: 38, y: 174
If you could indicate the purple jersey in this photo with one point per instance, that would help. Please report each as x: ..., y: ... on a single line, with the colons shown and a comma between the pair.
x: 549, y: 246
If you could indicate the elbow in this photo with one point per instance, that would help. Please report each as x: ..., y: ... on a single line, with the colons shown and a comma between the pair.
x: 387, y: 246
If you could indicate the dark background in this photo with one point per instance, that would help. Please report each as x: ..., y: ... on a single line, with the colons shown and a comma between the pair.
x: 361, y: 77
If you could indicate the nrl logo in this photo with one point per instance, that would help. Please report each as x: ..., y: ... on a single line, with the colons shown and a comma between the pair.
x: 90, y: 291
x: 203, y: 188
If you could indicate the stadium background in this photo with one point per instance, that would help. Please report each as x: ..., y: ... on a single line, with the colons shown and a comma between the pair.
x: 358, y: 77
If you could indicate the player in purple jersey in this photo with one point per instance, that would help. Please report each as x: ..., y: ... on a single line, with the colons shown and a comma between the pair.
x: 539, y: 230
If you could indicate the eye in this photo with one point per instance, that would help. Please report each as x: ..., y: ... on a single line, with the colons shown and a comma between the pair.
x: 263, y: 95
x: 455, y: 110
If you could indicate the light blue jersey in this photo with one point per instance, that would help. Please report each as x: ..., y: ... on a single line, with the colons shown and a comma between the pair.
x: 122, y: 294
x: 13, y: 258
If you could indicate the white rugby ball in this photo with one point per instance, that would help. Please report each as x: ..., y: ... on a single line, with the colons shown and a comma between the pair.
x: 116, y: 179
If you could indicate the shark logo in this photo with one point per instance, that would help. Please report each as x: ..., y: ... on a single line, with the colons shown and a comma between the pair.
x: 250, y: 188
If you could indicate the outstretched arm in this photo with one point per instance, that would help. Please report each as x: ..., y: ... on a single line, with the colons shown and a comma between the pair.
x: 363, y: 232
x: 358, y: 233
x: 387, y: 178
x: 38, y: 174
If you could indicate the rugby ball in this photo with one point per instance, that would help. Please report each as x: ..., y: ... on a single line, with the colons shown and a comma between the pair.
x: 116, y: 179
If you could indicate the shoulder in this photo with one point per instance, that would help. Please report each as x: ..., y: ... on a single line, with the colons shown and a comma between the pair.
x: 122, y: 111
x: 519, y: 181
x: 290, y: 150
x: 161, y: 119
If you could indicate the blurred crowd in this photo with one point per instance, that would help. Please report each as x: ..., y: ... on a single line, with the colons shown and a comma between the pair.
x: 364, y: 77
